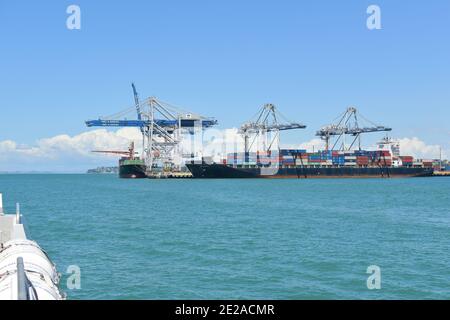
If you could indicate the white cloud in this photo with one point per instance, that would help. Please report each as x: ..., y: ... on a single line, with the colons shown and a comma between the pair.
x: 73, y: 153
x: 66, y: 153
x: 309, y: 146
x: 408, y: 146
x: 419, y: 149
x: 218, y: 143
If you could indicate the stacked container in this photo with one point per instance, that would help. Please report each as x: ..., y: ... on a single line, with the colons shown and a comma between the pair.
x: 302, y: 160
x: 314, y: 159
x: 407, y: 161
x: 384, y: 158
x: 338, y: 158
x: 267, y: 158
x: 241, y: 158
x: 350, y: 158
x: 299, y: 157
x: 291, y: 152
x: 427, y: 163
x: 362, y: 161
x: 288, y: 156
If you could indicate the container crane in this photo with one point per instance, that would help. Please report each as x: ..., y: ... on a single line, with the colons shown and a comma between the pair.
x: 160, y: 123
x: 348, y: 124
x: 267, y: 121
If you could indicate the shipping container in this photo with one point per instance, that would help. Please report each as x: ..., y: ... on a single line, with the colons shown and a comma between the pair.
x: 292, y: 151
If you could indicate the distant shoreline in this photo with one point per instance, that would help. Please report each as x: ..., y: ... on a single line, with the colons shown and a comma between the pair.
x: 38, y: 172
x: 99, y: 170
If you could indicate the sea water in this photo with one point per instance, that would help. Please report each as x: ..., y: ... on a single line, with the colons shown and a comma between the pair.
x: 240, y: 239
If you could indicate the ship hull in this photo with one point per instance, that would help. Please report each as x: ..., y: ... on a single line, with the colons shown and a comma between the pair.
x: 222, y: 171
x: 132, y: 171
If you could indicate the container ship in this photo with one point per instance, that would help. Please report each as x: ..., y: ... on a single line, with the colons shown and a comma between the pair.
x: 349, y: 161
x: 299, y: 164
x: 163, y: 128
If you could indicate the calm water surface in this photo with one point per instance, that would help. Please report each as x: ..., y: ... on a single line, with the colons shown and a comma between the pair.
x: 240, y: 239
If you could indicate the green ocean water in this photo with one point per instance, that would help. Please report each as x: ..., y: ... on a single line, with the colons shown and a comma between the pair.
x: 240, y: 239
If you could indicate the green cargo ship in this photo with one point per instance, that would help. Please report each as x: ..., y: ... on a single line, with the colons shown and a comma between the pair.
x: 132, y: 168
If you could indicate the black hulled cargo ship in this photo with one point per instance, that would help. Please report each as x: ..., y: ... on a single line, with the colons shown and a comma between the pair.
x: 385, y: 162
x: 298, y: 164
x: 224, y: 171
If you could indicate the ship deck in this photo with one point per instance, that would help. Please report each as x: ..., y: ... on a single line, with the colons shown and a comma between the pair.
x: 442, y: 173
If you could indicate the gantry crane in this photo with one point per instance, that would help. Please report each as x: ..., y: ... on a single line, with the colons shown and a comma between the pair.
x: 267, y: 121
x: 161, y: 124
x: 348, y: 124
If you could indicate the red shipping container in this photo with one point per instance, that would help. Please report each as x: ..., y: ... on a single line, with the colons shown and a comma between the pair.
x: 385, y: 153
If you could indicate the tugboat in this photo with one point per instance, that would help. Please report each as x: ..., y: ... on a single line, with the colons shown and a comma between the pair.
x: 26, y: 272
x: 130, y: 166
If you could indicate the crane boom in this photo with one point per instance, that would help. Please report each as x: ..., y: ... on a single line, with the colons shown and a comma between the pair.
x: 185, y: 123
x: 111, y: 152
x: 130, y: 153
x: 136, y: 102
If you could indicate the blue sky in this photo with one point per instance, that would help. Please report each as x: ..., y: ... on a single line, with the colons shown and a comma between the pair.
x: 225, y: 59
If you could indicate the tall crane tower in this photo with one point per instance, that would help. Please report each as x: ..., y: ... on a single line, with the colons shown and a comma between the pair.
x: 349, y: 123
x: 267, y: 124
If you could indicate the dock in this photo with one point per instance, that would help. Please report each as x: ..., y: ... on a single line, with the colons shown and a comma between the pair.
x: 442, y: 173
x: 169, y: 175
